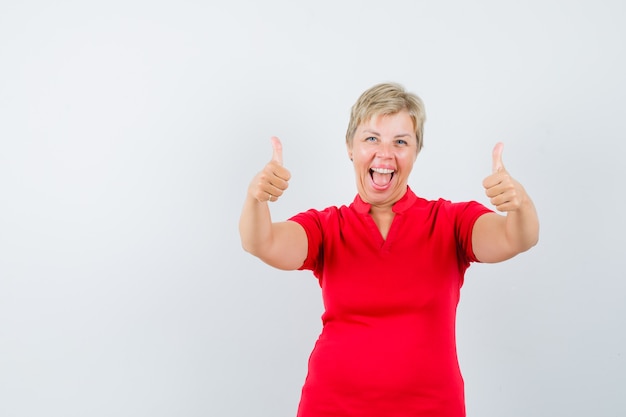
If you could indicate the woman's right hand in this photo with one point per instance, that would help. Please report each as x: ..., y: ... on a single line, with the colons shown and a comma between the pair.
x: 273, y: 180
x: 284, y: 244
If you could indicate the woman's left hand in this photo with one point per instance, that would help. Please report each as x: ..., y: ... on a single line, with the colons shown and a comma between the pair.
x: 504, y: 192
x: 496, y: 238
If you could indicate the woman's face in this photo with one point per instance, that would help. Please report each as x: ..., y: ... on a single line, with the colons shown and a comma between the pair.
x: 383, y: 151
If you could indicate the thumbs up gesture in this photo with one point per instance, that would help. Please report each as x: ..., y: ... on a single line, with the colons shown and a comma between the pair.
x: 504, y: 192
x: 272, y: 181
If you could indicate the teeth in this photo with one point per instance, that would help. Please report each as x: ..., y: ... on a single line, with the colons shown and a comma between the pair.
x: 383, y: 170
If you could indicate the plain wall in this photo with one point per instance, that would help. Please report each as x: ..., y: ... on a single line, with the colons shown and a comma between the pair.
x: 129, y: 131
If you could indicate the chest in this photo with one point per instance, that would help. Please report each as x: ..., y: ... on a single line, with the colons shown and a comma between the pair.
x: 415, y: 267
x: 383, y: 222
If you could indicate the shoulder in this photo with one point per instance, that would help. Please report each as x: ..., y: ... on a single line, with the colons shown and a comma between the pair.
x: 459, y: 207
x: 442, y: 208
x: 326, y: 212
x: 312, y: 217
x: 422, y: 205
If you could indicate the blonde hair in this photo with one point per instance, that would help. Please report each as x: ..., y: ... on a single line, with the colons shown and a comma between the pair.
x: 387, y: 99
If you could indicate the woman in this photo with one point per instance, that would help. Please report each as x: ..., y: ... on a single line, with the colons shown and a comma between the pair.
x: 390, y: 266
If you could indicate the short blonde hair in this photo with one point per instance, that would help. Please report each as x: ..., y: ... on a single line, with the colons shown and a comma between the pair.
x: 386, y: 99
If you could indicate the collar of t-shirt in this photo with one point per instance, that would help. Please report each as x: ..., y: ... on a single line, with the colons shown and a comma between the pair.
x: 407, y: 200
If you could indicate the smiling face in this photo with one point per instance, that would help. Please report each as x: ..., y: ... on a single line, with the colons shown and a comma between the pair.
x: 383, y: 151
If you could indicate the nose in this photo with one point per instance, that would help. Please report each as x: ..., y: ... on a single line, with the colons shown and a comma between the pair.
x: 385, y: 150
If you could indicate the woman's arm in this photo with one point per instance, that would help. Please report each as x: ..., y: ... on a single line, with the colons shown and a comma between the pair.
x: 282, y: 245
x: 495, y: 237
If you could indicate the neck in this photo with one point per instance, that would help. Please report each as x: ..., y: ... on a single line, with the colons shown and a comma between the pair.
x: 381, y: 209
x: 386, y: 207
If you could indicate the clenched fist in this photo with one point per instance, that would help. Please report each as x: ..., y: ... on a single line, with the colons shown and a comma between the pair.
x: 273, y: 180
x: 504, y: 192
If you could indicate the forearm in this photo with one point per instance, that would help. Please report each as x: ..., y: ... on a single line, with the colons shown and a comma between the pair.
x: 255, y: 226
x: 284, y: 244
x: 522, y: 226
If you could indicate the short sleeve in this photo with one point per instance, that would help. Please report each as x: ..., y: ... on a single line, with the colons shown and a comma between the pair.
x: 465, y: 216
x: 312, y: 222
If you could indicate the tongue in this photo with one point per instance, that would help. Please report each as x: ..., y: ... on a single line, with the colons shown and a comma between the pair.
x: 381, y: 179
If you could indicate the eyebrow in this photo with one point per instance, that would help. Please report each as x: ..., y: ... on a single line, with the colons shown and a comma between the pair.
x: 375, y: 133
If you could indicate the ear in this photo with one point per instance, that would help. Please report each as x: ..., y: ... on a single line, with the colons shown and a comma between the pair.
x: 349, y: 149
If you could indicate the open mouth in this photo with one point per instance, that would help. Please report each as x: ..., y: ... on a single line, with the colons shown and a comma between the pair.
x: 381, y: 177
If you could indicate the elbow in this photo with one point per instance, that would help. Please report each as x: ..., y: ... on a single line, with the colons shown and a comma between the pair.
x: 249, y: 242
x: 246, y: 244
x: 257, y: 249
x: 245, y: 247
x: 534, y: 239
x: 249, y: 248
x: 529, y: 243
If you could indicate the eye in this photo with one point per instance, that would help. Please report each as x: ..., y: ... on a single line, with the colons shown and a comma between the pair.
x: 402, y: 142
x: 371, y: 139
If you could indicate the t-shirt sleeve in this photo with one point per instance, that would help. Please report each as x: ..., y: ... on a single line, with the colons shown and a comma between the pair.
x: 465, y: 215
x: 312, y: 222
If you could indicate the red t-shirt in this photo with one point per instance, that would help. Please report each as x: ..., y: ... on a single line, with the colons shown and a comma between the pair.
x: 388, y: 348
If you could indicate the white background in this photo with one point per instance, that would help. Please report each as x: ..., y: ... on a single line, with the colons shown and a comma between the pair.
x: 129, y: 131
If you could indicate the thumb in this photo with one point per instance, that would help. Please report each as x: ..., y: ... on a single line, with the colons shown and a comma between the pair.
x: 496, y: 156
x: 277, y: 156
